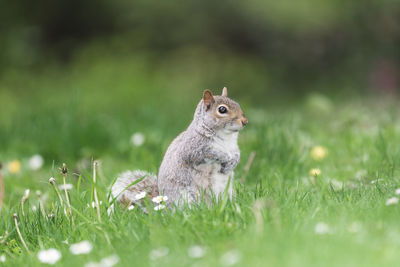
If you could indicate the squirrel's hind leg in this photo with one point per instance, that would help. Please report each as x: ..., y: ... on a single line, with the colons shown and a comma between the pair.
x: 127, y: 196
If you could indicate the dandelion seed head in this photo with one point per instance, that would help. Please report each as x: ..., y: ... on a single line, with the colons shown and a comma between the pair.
x: 52, y: 180
x: 137, y: 139
x: 397, y: 192
x: 84, y: 247
x: 50, y: 256
x: 36, y: 162
x: 2, y: 258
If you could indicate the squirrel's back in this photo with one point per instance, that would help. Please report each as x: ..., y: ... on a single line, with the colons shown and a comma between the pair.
x: 200, y: 159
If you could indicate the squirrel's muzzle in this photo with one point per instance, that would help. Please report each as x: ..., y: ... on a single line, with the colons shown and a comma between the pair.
x: 244, y: 121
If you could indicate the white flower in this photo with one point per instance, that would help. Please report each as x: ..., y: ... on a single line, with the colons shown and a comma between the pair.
x: 105, y: 262
x: 131, y: 207
x: 34, y: 208
x: 137, y: 139
x: 336, y: 185
x: 158, y: 253
x: 52, y: 180
x: 65, y: 186
x: 159, y: 199
x: 392, y: 201
x: 397, y: 192
x: 140, y: 195
x: 94, y: 204
x: 159, y: 207
x: 36, y: 162
x: 322, y: 228
x: 354, y: 227
x: 83, y: 247
x: 110, y: 210
x: 196, y: 252
x: 230, y: 258
x: 50, y: 256
x: 377, y: 181
x: 2, y: 258
x: 26, y: 194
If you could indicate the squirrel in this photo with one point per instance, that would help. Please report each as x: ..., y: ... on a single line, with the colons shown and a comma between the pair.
x: 200, y: 160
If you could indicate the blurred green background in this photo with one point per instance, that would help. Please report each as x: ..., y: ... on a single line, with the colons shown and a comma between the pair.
x: 76, y: 77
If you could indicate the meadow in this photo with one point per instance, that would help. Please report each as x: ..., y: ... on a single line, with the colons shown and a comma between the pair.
x: 321, y: 190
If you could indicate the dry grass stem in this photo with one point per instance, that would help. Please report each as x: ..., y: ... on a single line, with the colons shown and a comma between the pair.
x: 19, y: 232
x: 64, y: 173
x: 23, y: 200
x: 1, y: 187
x: 95, y: 191
x: 248, y: 166
x: 53, y: 183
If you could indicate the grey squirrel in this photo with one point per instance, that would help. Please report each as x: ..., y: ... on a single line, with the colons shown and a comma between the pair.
x: 199, y: 162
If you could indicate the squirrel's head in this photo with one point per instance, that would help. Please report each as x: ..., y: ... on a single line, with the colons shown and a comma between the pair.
x: 221, y: 112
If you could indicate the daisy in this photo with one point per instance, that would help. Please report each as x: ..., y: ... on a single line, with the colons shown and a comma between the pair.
x: 105, y: 262
x: 137, y: 139
x: 159, y: 207
x: 159, y: 199
x: 230, y: 258
x: 50, y: 256
x: 321, y: 228
x: 392, y: 201
x: 158, y: 253
x: 140, y: 195
x: 36, y: 162
x: 196, y: 252
x: 84, y: 247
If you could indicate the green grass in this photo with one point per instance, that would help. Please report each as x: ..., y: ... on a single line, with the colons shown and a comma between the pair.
x: 271, y: 222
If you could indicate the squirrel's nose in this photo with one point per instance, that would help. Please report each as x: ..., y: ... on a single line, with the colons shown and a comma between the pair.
x: 244, y: 121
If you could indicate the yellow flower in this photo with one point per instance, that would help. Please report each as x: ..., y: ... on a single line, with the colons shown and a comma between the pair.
x: 315, y: 172
x: 319, y: 152
x: 14, y: 166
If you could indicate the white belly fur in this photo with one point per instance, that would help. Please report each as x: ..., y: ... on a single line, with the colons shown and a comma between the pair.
x: 219, y: 182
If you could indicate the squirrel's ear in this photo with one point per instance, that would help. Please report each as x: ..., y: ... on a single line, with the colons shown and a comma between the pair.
x: 208, y: 98
x: 225, y: 91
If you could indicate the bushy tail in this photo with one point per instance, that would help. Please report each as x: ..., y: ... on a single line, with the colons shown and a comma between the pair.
x: 127, y: 195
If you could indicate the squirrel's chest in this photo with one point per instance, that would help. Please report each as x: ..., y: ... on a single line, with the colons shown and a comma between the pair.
x: 226, y: 144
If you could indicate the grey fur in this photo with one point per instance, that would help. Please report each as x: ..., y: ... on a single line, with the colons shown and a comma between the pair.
x: 199, y: 160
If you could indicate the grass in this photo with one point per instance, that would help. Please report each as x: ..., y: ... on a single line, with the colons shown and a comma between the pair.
x: 272, y: 221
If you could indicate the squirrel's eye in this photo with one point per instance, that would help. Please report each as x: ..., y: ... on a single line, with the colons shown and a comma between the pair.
x: 222, y: 110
